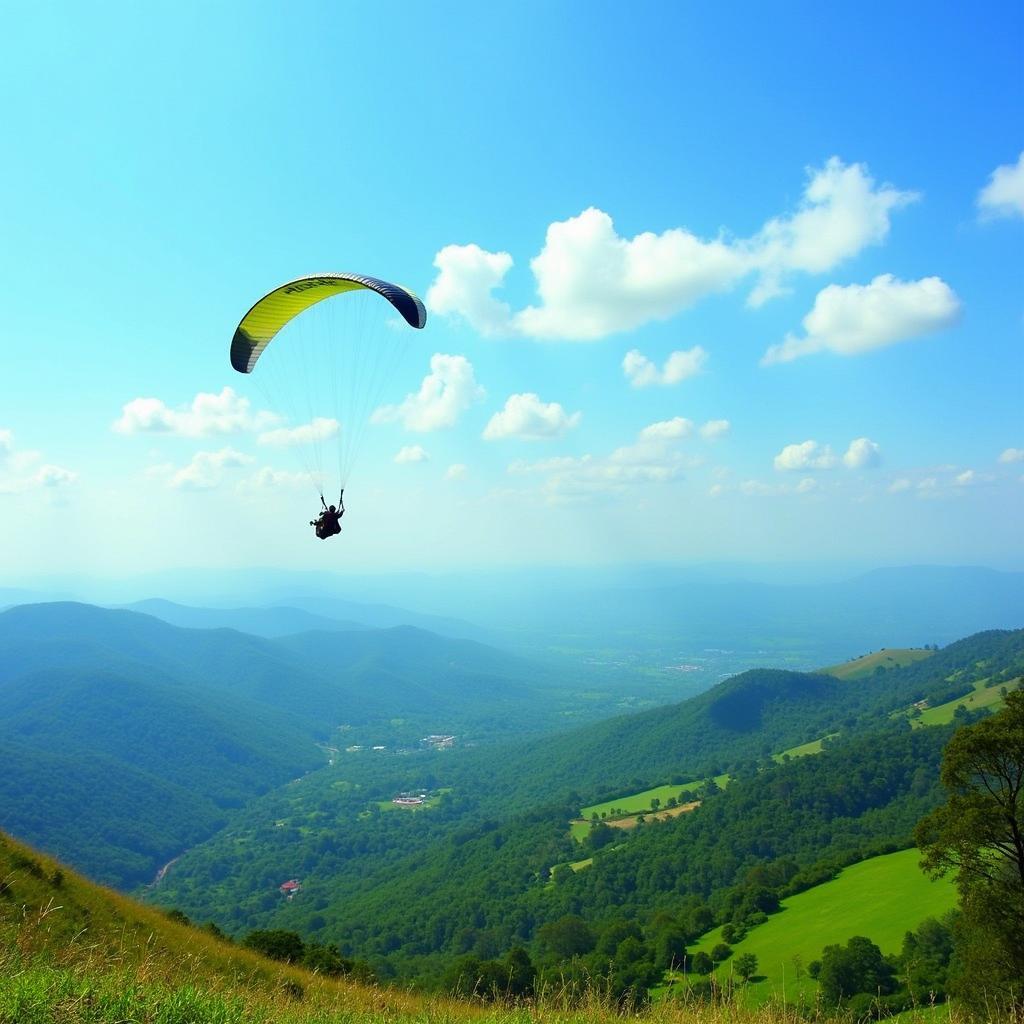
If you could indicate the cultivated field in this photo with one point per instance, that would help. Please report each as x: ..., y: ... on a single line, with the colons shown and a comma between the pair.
x: 636, y: 803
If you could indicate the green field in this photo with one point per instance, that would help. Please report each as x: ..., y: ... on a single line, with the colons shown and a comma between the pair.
x: 887, y: 657
x: 637, y: 802
x: 814, y: 747
x: 983, y: 697
x: 882, y: 898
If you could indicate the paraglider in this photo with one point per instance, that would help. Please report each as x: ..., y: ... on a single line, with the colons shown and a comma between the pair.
x: 328, y: 523
x: 330, y: 369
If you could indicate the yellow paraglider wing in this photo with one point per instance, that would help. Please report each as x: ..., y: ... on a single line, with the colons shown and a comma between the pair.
x: 260, y: 325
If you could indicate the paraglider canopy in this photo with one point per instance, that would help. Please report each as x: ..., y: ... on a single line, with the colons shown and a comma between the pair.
x: 331, y: 365
x: 276, y: 308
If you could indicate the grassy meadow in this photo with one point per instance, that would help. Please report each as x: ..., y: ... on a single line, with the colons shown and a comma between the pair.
x: 887, y: 657
x: 983, y: 697
x: 881, y: 898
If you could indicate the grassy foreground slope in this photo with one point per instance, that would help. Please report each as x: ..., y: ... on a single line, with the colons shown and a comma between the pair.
x: 74, y: 953
x: 881, y: 898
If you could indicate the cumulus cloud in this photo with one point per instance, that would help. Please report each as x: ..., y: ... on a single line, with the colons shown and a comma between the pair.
x: 592, y: 282
x: 20, y: 468
x: 806, y: 455
x: 318, y: 429
x: 266, y: 478
x: 651, y: 458
x: 456, y: 471
x: 208, y: 414
x: 447, y: 391
x: 862, y: 453
x: 852, y: 319
x: 527, y: 418
x: 667, y: 430
x: 841, y: 213
x: 1003, y: 196
x: 714, y: 429
x: 642, y: 373
x: 204, y: 472
x: 467, y: 275
x: 1012, y: 455
x: 53, y: 476
x: 966, y: 478
x: 411, y: 453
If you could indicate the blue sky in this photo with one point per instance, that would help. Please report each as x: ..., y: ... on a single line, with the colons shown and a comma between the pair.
x: 775, y: 312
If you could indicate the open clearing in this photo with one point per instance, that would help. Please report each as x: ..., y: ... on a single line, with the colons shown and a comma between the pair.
x: 887, y: 657
x: 640, y: 803
x: 882, y: 898
x: 814, y: 747
x: 632, y: 820
x: 983, y: 697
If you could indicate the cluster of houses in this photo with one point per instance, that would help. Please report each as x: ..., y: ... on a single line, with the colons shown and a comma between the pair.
x: 410, y: 799
x: 439, y: 742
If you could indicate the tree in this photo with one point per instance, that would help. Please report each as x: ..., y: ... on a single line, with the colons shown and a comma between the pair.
x: 746, y: 965
x: 277, y: 944
x: 979, y: 834
x: 856, y: 967
x: 721, y: 952
x: 568, y: 936
x: 702, y: 963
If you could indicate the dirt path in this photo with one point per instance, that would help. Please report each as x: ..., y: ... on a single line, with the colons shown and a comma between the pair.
x: 163, y: 871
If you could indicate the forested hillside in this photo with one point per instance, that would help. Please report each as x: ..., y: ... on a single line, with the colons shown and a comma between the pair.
x: 124, y: 740
x: 486, y: 868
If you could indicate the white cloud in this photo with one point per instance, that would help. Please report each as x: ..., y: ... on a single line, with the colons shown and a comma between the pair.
x: 862, y: 453
x: 651, y: 458
x: 667, y: 430
x: 448, y: 390
x: 527, y: 418
x: 20, y: 470
x: 456, y: 471
x: 642, y: 373
x: 841, y: 213
x: 54, y: 476
x: 852, y: 319
x: 206, y: 470
x: 806, y: 455
x: 714, y: 429
x: 806, y: 485
x: 900, y: 485
x: 208, y: 414
x: 1003, y: 196
x: 466, y: 277
x: 966, y: 478
x: 592, y: 282
x: 1012, y: 455
x: 758, y: 489
x: 318, y: 429
x: 411, y: 453
x: 267, y: 478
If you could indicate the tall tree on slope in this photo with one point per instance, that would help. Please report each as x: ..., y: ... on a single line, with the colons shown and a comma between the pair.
x: 979, y: 833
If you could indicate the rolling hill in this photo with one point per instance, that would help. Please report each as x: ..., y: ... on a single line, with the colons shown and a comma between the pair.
x: 124, y: 740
